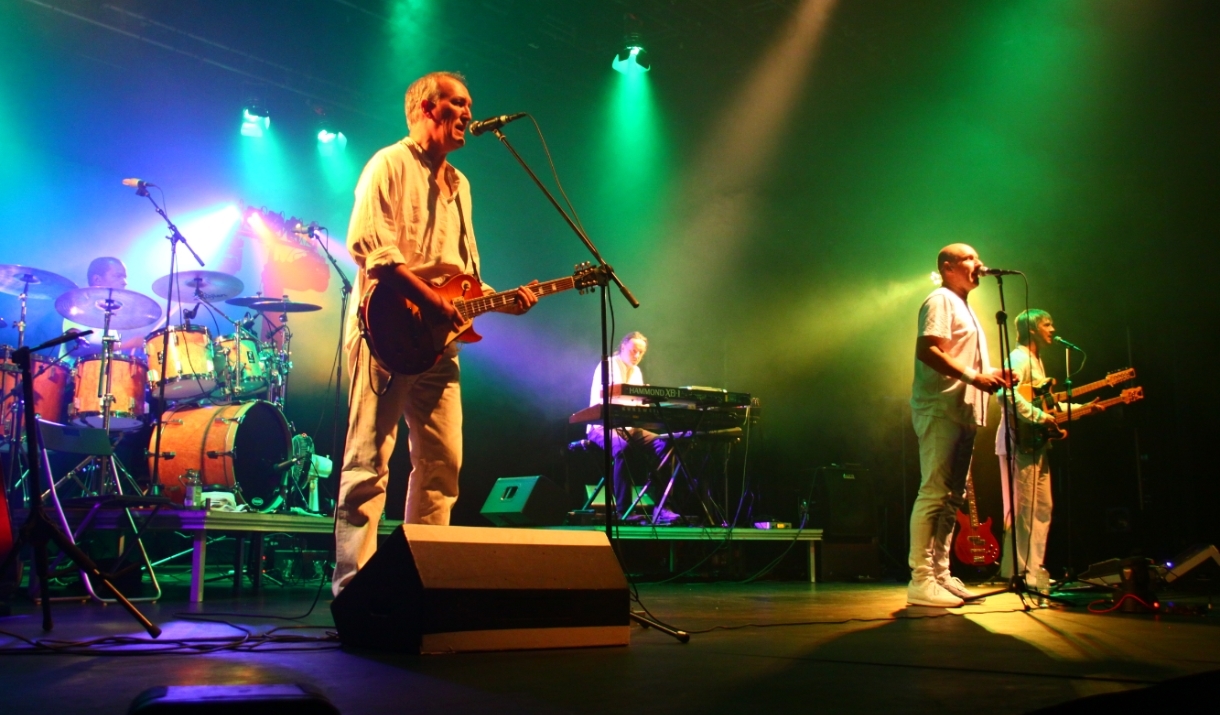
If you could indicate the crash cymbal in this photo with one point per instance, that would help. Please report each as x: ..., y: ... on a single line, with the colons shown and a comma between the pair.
x: 88, y: 306
x: 249, y: 300
x: 205, y: 285
x: 283, y: 306
x: 43, y: 285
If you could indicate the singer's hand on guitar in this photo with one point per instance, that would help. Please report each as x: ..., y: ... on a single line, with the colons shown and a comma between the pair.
x: 1048, y: 418
x: 526, y: 299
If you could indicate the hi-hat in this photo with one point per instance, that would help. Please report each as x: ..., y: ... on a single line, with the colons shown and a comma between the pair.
x: 38, y: 284
x: 264, y: 304
x: 88, y: 306
x: 200, y: 284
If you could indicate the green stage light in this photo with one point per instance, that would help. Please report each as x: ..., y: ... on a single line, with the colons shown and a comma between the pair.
x: 255, y: 120
x: 632, y: 60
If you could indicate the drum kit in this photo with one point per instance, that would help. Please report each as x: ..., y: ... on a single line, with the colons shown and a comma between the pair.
x: 222, y: 424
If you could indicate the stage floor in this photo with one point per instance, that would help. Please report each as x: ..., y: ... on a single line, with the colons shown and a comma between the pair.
x: 848, y: 648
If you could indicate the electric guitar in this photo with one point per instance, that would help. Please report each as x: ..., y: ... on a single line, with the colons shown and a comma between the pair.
x: 403, y: 340
x: 974, y: 544
x: 1031, y: 437
x: 1044, y: 387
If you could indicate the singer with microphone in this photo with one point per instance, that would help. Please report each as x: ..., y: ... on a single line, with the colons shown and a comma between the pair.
x: 1032, y: 489
x: 410, y: 229
x: 953, y: 376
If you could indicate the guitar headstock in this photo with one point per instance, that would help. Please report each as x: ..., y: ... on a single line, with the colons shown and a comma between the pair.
x: 586, y: 276
x: 1132, y: 394
x: 1119, y: 376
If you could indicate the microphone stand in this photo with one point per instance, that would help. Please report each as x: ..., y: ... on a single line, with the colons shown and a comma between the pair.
x: 174, y: 238
x: 605, y: 275
x: 343, y: 304
x: 38, y: 529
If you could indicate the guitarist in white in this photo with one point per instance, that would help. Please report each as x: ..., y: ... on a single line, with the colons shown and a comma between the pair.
x: 1035, y: 331
x: 411, y: 229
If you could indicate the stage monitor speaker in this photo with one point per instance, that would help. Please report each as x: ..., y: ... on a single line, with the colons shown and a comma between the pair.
x: 443, y: 589
x: 843, y: 502
x: 525, y: 501
x: 1199, y: 564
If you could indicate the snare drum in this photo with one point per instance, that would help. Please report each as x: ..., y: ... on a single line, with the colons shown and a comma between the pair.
x: 243, y: 367
x: 223, y: 443
x: 128, y: 380
x: 189, y: 370
x: 50, y: 387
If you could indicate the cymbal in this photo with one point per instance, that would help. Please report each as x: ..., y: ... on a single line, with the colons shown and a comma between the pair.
x: 43, y: 285
x: 271, y: 305
x: 88, y: 306
x: 211, y: 285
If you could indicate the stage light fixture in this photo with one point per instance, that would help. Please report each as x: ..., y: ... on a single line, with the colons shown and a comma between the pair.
x: 255, y: 119
x: 330, y: 140
x: 633, y: 58
x: 936, y: 279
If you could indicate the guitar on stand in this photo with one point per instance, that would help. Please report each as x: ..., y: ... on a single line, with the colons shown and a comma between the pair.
x: 975, y: 545
x: 401, y: 338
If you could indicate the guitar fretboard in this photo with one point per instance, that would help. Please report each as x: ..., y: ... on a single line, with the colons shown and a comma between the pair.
x: 474, y: 307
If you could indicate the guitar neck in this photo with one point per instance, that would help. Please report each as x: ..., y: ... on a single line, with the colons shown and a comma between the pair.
x: 474, y: 307
x: 1090, y: 408
x: 1113, y: 378
x: 974, y: 510
x: 1082, y: 390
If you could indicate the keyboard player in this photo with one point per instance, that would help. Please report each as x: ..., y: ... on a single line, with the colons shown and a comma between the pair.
x: 629, y: 442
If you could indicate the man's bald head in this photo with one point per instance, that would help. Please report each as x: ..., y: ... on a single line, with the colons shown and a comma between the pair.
x: 952, y: 254
x: 959, y: 265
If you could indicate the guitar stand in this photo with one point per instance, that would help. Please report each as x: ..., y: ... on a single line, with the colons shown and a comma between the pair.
x: 39, y: 530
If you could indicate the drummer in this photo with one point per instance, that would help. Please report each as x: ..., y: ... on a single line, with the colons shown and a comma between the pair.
x: 103, y: 272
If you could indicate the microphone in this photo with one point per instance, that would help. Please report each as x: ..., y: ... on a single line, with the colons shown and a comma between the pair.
x: 140, y: 185
x: 302, y: 230
x: 492, y: 123
x: 1068, y: 345
x: 985, y: 271
x: 70, y: 334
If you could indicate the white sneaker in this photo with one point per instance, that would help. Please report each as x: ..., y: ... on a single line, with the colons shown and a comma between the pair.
x: 954, y: 585
x: 931, y: 593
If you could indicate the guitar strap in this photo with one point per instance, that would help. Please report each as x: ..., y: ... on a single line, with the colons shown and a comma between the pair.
x: 464, y: 245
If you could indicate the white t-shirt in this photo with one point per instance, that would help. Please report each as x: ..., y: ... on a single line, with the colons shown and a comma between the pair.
x: 620, y: 374
x: 945, y: 315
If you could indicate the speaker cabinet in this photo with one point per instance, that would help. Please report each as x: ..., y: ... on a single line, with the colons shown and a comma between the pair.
x: 442, y: 589
x: 843, y: 502
x: 525, y: 501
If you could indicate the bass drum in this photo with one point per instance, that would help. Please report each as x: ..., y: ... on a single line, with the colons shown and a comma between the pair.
x: 235, y: 447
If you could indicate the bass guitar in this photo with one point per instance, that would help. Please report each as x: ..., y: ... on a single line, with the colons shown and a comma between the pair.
x: 1031, y: 437
x: 402, y: 340
x: 975, y: 544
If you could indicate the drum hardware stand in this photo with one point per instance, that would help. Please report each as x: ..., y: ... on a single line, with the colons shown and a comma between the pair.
x: 109, y: 471
x: 175, y: 237
x: 16, y: 468
x: 606, y: 274
x: 345, y: 297
x: 38, y: 529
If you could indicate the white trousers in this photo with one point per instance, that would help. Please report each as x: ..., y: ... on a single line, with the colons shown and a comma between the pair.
x: 431, y: 402
x: 1034, y: 506
x: 945, y: 450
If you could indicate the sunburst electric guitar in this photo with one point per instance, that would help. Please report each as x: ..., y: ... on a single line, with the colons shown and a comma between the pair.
x: 403, y: 340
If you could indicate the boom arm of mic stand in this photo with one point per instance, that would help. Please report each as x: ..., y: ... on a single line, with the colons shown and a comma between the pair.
x: 571, y: 224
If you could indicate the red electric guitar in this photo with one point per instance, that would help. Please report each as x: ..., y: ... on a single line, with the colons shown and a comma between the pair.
x: 401, y: 338
x: 974, y: 544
